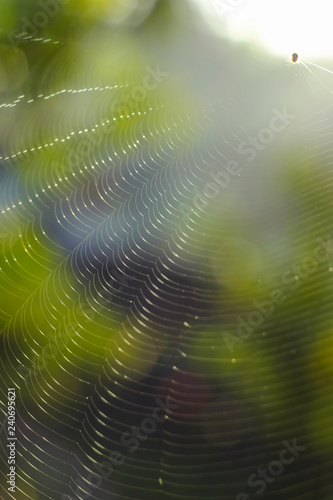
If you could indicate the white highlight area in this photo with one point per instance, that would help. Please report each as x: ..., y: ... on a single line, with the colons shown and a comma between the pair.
x: 281, y: 26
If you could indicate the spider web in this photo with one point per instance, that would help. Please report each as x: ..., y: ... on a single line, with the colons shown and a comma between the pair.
x: 111, y: 305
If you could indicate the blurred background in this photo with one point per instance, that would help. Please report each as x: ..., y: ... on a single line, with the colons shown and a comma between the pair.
x: 165, y: 235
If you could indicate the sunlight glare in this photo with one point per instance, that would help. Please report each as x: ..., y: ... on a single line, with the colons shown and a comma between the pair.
x: 282, y: 27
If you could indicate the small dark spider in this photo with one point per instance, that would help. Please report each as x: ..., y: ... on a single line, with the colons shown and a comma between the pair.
x: 294, y: 57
